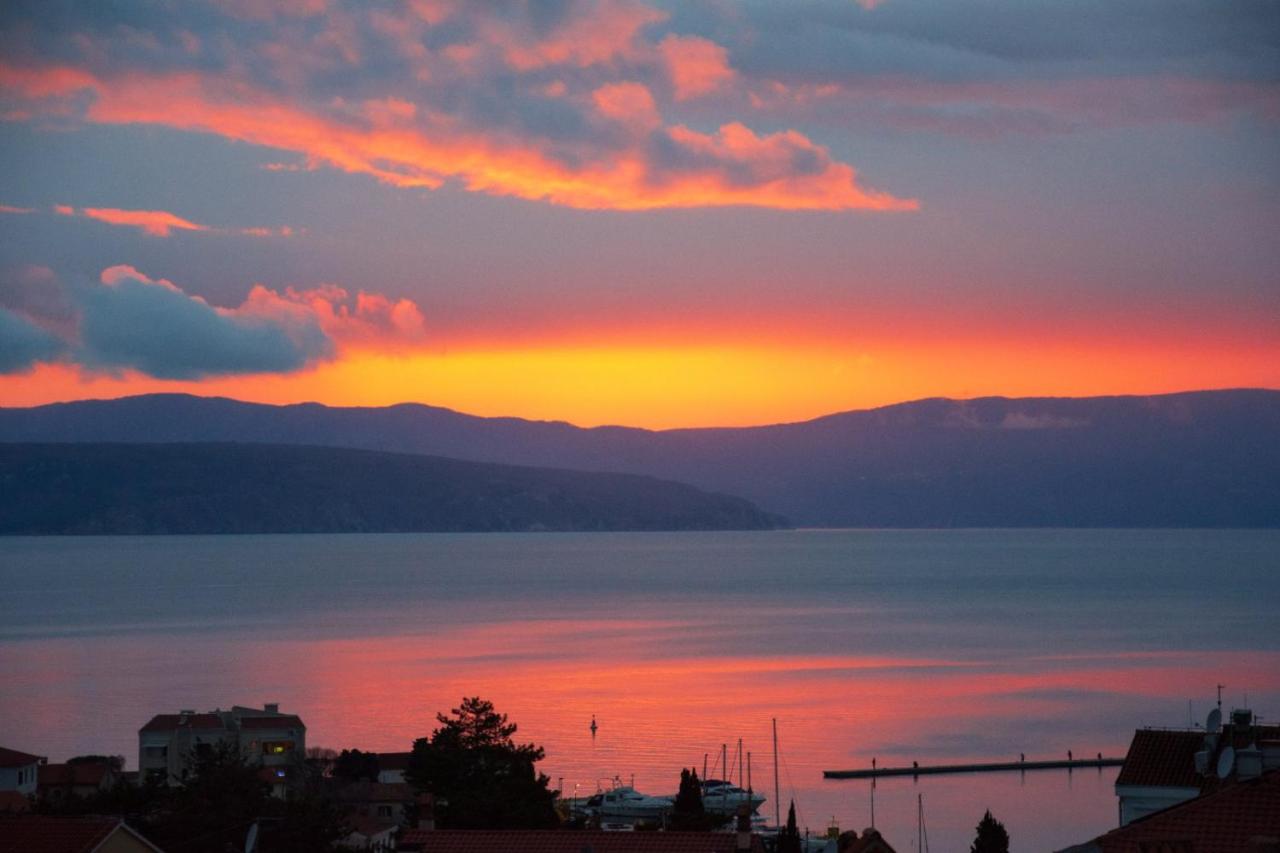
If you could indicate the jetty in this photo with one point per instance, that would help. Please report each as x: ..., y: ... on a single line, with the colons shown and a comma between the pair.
x: 991, y: 767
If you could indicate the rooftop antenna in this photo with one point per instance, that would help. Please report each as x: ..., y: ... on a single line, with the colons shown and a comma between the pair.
x: 1220, y: 686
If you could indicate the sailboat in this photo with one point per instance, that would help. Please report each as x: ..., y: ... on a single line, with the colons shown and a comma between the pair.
x: 721, y: 796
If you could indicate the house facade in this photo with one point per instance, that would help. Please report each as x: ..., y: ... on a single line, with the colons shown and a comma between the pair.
x: 264, y: 736
x: 19, y: 771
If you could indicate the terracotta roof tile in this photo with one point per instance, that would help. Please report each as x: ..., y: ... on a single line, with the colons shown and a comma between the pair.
x: 87, y: 773
x: 1226, y: 821
x: 12, y: 801
x: 14, y: 758
x: 284, y: 721
x: 570, y: 841
x: 47, y: 834
x: 170, y: 722
x: 1162, y: 758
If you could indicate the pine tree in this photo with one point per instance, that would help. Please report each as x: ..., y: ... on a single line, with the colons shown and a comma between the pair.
x: 789, y: 838
x: 481, y: 778
x: 992, y: 837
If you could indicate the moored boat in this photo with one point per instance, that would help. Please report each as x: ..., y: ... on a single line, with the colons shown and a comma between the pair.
x: 722, y: 797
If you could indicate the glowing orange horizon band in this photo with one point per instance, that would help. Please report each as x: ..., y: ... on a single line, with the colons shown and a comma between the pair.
x: 672, y: 386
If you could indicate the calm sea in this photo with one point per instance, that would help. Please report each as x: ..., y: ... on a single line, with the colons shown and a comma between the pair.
x: 893, y: 645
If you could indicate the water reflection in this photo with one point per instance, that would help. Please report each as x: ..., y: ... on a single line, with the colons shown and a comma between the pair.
x: 675, y: 645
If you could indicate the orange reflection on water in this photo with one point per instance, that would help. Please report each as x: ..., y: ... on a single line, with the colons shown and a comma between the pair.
x: 659, y: 710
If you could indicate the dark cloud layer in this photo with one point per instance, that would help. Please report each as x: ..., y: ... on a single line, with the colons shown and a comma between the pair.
x: 23, y: 343
x: 131, y: 322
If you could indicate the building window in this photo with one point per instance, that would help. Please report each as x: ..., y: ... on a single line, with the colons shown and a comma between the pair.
x: 277, y: 747
x: 384, y: 811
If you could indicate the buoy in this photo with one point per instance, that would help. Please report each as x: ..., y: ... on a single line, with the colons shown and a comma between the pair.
x: 593, y: 725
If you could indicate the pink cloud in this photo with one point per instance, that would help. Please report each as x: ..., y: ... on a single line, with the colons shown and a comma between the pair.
x: 628, y: 103
x: 368, y: 320
x: 697, y: 66
x: 8, y: 208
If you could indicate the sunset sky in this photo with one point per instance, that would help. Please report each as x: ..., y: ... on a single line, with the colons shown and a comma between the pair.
x: 658, y: 214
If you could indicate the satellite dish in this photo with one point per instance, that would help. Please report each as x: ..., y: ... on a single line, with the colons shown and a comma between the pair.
x: 1226, y: 762
x: 1214, y: 722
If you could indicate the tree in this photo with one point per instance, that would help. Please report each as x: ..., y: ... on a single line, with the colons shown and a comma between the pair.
x: 352, y: 765
x: 480, y: 777
x: 688, y: 811
x: 789, y: 838
x: 689, y: 797
x: 115, y: 762
x: 992, y: 837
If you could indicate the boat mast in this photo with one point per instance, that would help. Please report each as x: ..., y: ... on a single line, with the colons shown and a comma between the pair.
x: 739, y: 763
x: 724, y: 760
x: 777, y: 801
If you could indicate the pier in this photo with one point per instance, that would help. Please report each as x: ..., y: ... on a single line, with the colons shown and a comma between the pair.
x: 993, y: 767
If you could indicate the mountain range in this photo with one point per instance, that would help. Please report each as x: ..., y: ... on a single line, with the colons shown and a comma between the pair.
x: 258, y: 488
x: 1204, y: 458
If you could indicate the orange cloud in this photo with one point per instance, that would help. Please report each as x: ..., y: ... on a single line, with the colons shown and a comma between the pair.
x: 411, y: 144
x: 161, y: 223
x: 156, y: 223
x: 696, y: 65
x: 8, y: 208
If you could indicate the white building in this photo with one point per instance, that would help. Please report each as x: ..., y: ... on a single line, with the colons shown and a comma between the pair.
x: 263, y: 735
x: 1166, y: 767
x: 19, y: 771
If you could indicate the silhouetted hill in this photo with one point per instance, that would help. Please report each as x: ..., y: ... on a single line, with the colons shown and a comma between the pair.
x: 246, y: 488
x: 1208, y: 458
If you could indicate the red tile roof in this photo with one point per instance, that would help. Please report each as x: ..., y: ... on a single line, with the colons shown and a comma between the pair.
x: 369, y: 826
x: 13, y: 758
x: 284, y: 721
x: 570, y: 841
x: 1226, y: 821
x: 47, y: 834
x: 12, y: 801
x: 87, y: 773
x: 170, y: 722
x: 1162, y: 759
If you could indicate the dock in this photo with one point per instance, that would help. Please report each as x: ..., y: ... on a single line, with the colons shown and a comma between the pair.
x: 993, y: 767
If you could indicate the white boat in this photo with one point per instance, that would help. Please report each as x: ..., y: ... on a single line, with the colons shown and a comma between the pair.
x: 623, y: 801
x: 721, y: 797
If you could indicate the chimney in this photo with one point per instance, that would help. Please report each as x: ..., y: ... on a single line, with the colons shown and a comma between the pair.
x: 272, y: 707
